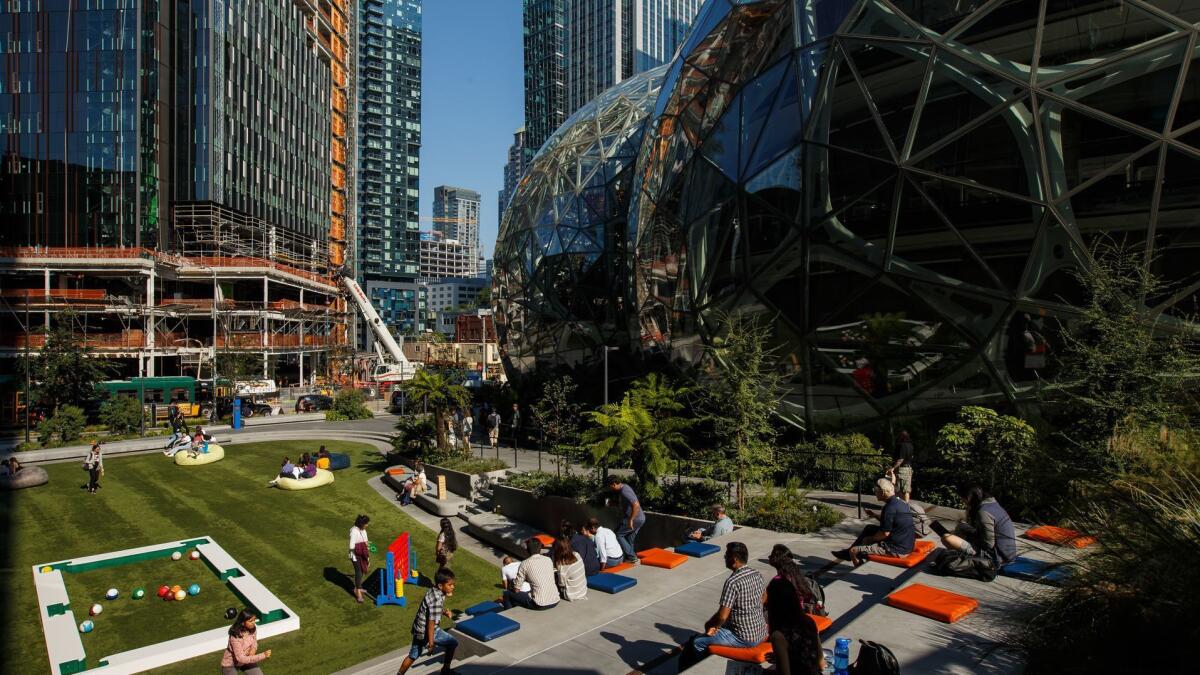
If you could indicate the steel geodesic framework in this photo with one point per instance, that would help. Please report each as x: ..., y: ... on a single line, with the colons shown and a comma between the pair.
x: 561, y: 275
x: 902, y: 187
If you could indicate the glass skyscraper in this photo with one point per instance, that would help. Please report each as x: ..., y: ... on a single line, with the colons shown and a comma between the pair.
x: 514, y: 168
x: 389, y: 145
x: 545, y: 42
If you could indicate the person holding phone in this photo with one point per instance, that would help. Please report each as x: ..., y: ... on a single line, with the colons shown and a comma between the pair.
x: 895, y: 534
x: 988, y: 529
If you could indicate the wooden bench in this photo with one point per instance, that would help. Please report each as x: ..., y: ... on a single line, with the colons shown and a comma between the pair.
x: 257, y: 596
x: 219, y: 561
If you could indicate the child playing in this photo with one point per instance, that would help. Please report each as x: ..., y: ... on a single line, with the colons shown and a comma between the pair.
x: 426, y: 633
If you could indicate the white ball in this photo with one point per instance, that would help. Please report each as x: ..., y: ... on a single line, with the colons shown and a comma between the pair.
x: 96, y: 609
x: 194, y: 555
x: 111, y: 594
x: 176, y: 555
x: 180, y: 594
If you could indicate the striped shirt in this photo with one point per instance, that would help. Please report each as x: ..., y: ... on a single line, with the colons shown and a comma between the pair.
x: 539, y: 572
x: 430, y: 610
x: 573, y: 579
x: 743, y: 595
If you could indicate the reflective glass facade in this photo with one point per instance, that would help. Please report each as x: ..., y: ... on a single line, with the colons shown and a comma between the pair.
x: 83, y: 123
x: 902, y: 188
x: 389, y: 139
x: 560, y: 266
x: 545, y: 43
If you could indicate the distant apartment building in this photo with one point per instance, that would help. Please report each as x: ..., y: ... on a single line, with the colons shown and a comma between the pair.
x: 455, y: 293
x: 389, y: 144
x: 443, y: 258
x: 514, y: 168
x: 456, y: 217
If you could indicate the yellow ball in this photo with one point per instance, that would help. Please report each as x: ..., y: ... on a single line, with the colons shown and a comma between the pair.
x: 47, y: 569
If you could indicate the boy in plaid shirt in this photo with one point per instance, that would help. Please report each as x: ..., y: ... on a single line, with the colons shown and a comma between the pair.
x: 426, y: 633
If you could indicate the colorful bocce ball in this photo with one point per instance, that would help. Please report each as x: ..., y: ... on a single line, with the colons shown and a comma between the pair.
x: 47, y: 569
x: 111, y: 594
x: 230, y: 612
x: 194, y: 589
x: 180, y: 594
x: 176, y: 555
x: 163, y: 591
x: 176, y: 588
x: 96, y: 609
x: 86, y: 626
x: 194, y: 555
x: 139, y: 593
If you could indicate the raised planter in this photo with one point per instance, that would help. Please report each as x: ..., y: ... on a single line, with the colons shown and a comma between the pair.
x: 457, y: 482
x: 660, y: 530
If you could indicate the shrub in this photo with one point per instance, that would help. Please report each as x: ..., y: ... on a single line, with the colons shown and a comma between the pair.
x: 694, y: 499
x: 416, y: 437
x: 1135, y: 587
x: 992, y: 450
x: 581, y: 489
x: 472, y: 465
x: 349, y: 404
x: 67, y: 424
x: 786, y: 509
x: 122, y: 415
x: 834, y: 461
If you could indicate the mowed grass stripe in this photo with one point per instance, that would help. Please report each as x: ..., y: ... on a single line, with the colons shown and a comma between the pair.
x: 286, y: 539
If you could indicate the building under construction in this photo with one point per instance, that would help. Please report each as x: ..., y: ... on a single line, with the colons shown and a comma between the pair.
x: 175, y: 182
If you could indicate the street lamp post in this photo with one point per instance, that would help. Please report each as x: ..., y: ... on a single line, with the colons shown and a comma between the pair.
x: 606, y: 351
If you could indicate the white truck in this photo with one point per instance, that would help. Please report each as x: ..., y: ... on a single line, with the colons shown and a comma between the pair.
x: 393, y: 366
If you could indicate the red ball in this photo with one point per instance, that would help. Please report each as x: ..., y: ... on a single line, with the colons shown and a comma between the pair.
x: 163, y: 590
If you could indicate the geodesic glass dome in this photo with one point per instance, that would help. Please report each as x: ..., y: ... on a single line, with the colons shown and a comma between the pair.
x: 902, y: 187
x: 561, y: 272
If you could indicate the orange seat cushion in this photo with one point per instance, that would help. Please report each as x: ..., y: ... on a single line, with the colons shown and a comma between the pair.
x: 932, y: 602
x: 660, y: 557
x: 921, y: 549
x: 822, y: 622
x: 755, y: 654
x: 396, y: 471
x: 617, y: 568
x: 546, y: 539
x: 1060, y: 536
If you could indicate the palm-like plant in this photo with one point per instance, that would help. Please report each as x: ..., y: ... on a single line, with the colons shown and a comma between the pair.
x: 438, y: 394
x: 658, y: 395
x: 630, y: 431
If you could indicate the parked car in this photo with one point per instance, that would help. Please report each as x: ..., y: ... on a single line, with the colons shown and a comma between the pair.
x: 313, y: 403
x: 224, y: 408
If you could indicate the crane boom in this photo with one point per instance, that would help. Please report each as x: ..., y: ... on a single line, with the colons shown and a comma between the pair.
x: 399, y: 366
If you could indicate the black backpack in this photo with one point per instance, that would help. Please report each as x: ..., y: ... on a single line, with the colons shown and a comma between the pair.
x: 818, y: 594
x: 959, y: 564
x: 875, y: 659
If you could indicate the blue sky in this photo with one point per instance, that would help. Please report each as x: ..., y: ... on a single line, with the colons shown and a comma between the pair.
x: 473, y: 100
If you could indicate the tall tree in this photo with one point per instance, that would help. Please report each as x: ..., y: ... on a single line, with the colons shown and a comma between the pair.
x: 439, y: 394
x: 64, y: 371
x: 742, y: 398
x: 628, y: 431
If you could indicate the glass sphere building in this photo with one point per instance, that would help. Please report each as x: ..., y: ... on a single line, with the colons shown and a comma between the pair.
x: 903, y: 188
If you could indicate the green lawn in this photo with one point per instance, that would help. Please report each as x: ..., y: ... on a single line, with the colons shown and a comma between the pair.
x: 294, y: 542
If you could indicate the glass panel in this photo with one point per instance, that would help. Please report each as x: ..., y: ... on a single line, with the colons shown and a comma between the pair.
x: 1180, y: 189
x: 1138, y: 89
x: 1085, y: 31
x: 959, y: 92
x: 925, y: 244
x: 879, y: 20
x: 1008, y: 31
x: 1118, y: 202
x: 851, y: 124
x: 892, y: 74
x: 939, y: 15
x: 1081, y: 146
x: 724, y: 141
x: 998, y: 153
x: 758, y: 99
x: 1189, y: 97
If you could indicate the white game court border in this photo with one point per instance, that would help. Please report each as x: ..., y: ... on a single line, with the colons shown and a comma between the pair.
x: 61, y: 632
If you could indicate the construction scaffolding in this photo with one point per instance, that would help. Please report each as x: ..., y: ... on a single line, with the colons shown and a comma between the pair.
x: 208, y: 231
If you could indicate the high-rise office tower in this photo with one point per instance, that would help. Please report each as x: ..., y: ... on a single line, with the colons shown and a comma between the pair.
x: 545, y: 70
x: 389, y: 144
x: 514, y: 168
x: 610, y: 40
x: 456, y: 217
x: 180, y: 148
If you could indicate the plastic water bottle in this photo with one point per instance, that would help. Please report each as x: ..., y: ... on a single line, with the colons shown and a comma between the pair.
x: 841, y: 656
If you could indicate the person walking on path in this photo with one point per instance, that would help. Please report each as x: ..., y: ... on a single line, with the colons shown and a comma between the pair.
x: 241, y: 652
x: 447, y: 543
x: 901, y: 471
x: 95, y: 467
x: 738, y: 621
x: 468, y: 429
x: 360, y: 553
x: 515, y: 425
x: 493, y: 426
x: 427, y: 635
x: 632, y: 521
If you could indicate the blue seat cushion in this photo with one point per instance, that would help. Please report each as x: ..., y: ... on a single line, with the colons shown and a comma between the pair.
x: 488, y: 626
x: 1035, y: 570
x: 697, y: 549
x: 485, y: 607
x: 338, y: 461
x: 610, y: 583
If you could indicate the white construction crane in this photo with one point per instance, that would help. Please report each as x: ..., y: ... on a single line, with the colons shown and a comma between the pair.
x: 393, y: 366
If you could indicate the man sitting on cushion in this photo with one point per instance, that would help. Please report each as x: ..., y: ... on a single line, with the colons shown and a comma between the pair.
x: 893, y: 536
x: 608, y: 550
x: 739, y: 620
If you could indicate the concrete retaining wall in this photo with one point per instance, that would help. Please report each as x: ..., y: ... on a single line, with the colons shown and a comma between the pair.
x: 660, y: 530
